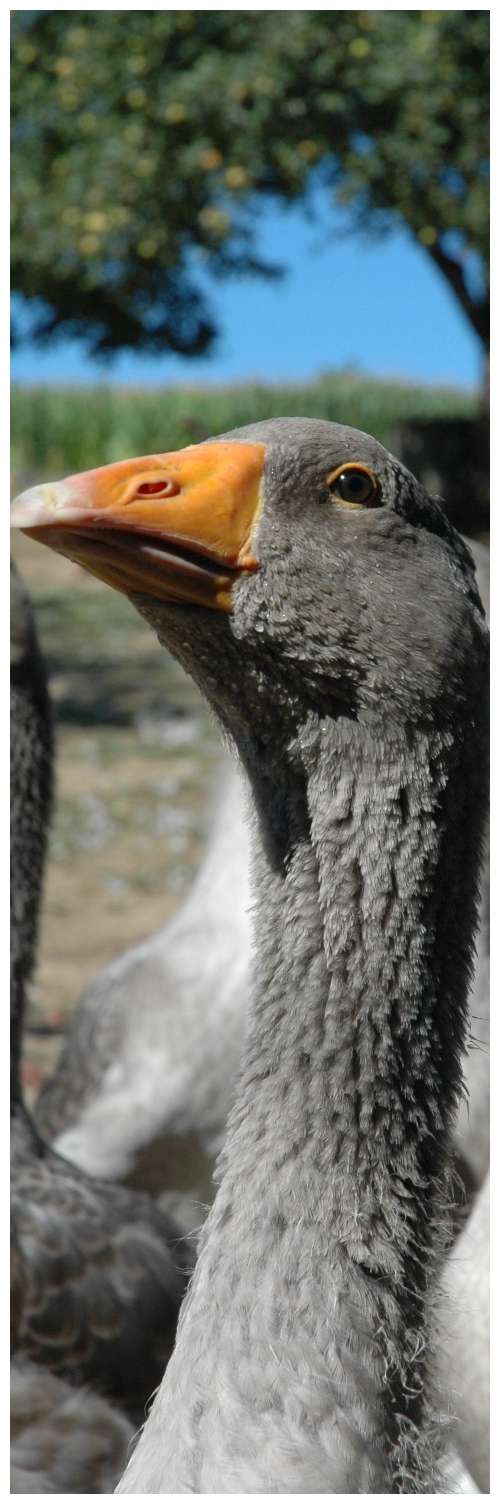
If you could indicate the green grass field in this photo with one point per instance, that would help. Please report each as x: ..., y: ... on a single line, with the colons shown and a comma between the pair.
x: 74, y: 429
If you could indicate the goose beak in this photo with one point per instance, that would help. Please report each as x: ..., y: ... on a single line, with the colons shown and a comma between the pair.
x: 177, y: 526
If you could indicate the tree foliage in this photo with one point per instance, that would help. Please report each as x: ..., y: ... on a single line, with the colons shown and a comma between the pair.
x: 145, y: 141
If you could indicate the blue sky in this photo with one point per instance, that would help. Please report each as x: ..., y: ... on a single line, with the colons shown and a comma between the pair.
x: 379, y: 306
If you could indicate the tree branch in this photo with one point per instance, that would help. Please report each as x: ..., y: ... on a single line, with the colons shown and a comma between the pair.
x: 476, y: 312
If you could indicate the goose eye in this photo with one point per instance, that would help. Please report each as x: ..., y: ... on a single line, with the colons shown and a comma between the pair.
x: 354, y: 485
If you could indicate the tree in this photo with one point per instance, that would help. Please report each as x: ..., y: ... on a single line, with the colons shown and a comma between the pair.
x: 146, y: 141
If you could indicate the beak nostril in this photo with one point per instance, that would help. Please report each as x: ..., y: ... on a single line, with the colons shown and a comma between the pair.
x: 157, y: 488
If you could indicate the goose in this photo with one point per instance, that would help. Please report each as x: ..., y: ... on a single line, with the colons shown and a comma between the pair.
x: 329, y: 612
x: 144, y: 1095
x: 98, y: 1271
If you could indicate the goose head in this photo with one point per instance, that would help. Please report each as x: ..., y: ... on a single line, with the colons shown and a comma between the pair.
x: 291, y: 560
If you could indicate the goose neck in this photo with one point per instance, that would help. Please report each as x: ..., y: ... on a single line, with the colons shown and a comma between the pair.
x: 301, y: 1361
x: 365, y: 908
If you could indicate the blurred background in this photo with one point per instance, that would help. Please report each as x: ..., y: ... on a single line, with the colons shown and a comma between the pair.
x: 219, y: 216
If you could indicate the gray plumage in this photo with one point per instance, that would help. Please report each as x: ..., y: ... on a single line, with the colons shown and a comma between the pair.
x: 98, y: 1274
x: 64, y: 1440
x: 98, y: 1271
x: 351, y: 675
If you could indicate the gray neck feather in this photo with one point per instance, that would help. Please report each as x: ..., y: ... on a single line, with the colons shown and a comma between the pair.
x: 302, y: 1354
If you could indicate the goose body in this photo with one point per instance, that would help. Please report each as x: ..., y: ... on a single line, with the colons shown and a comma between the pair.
x: 330, y: 614
x: 98, y: 1274
x: 98, y: 1271
x: 64, y: 1440
x: 144, y: 1094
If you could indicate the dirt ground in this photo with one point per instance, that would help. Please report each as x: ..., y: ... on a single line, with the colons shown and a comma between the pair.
x: 136, y: 763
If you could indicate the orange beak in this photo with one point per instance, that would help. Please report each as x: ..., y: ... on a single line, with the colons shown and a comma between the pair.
x: 175, y: 526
